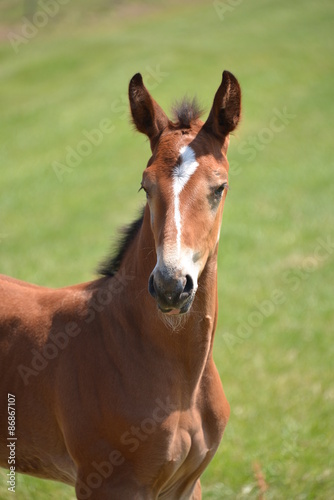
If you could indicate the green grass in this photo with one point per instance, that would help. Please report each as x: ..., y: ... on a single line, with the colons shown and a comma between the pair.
x: 277, y: 367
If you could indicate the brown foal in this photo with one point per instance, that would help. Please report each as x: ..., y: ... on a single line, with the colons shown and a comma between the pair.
x: 114, y: 386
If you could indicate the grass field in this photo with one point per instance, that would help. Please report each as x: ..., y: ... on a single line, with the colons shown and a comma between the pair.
x: 274, y: 343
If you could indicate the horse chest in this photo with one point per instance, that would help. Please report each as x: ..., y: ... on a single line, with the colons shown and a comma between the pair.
x: 191, y: 447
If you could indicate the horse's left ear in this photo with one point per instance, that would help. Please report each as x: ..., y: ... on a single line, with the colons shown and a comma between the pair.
x: 147, y: 115
x: 226, y: 108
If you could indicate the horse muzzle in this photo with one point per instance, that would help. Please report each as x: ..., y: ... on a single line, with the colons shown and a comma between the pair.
x: 173, y: 292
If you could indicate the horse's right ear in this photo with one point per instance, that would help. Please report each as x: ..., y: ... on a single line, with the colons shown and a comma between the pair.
x: 226, y: 108
x: 147, y: 115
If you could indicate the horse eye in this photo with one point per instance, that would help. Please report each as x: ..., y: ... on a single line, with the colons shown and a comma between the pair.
x: 142, y: 188
x: 220, y: 189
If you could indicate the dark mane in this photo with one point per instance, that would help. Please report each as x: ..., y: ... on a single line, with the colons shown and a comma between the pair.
x: 185, y: 112
x: 111, y: 264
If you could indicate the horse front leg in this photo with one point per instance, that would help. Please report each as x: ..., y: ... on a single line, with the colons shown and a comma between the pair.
x: 197, y: 493
x: 96, y: 488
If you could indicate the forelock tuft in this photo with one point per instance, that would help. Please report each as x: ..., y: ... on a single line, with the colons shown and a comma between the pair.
x: 185, y: 112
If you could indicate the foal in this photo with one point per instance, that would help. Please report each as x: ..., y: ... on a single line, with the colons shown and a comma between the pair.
x: 112, y: 384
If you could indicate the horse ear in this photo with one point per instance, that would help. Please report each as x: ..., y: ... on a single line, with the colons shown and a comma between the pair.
x: 147, y: 115
x: 225, y: 112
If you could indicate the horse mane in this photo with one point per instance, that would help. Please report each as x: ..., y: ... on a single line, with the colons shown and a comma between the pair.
x: 111, y: 264
x: 185, y: 112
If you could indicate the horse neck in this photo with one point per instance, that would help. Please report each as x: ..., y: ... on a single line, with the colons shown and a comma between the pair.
x: 188, y: 339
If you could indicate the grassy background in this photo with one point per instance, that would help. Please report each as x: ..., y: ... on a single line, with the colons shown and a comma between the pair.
x: 277, y: 366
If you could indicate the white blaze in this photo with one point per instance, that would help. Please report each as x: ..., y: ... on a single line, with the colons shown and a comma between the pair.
x: 181, y: 176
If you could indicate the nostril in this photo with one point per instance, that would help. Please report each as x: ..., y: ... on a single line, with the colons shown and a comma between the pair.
x: 189, y: 286
x: 151, y: 288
